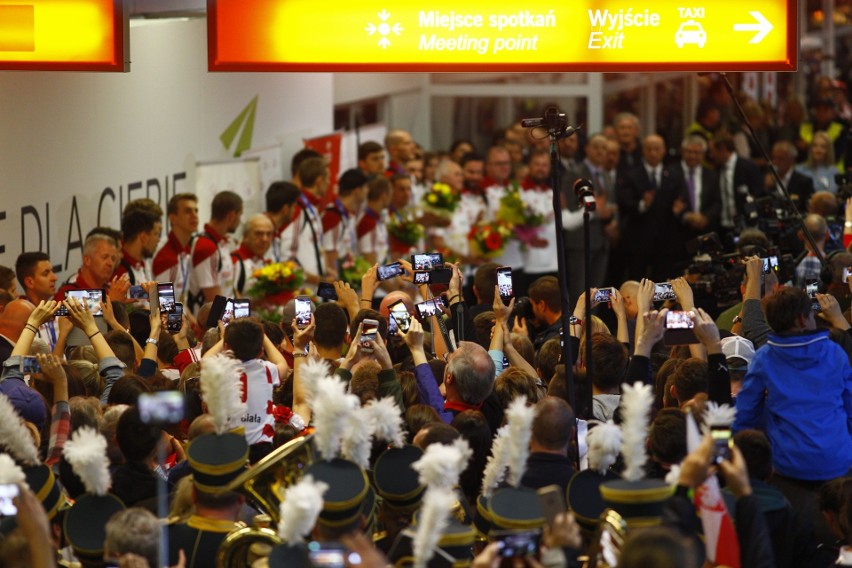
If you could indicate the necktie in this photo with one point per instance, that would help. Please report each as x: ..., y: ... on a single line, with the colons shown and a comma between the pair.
x: 653, y: 176
x: 691, y: 184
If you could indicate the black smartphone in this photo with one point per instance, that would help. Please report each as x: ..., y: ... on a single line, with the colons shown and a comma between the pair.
x: 426, y: 261
x: 29, y: 365
x: 242, y: 308
x: 326, y: 291
x: 94, y: 298
x: 174, y: 320
x: 440, y: 275
x: 603, y: 295
x: 161, y: 408
x: 303, y: 311
x: 722, y: 442
x: 421, y: 277
x: 517, y: 543
x: 137, y: 292
x: 663, y: 291
x: 399, y: 314
x: 504, y: 284
x: 389, y: 271
x: 369, y: 332
x: 680, y: 328
x: 552, y: 502
x: 811, y: 289
x: 427, y: 309
x: 217, y: 310
x: 166, y: 297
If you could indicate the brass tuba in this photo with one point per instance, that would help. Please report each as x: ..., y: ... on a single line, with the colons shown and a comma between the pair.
x: 263, y: 485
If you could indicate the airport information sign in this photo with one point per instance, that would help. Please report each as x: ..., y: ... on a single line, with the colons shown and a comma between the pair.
x: 502, y: 36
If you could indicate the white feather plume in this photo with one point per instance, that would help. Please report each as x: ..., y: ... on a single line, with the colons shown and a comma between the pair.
x: 222, y: 390
x: 441, y: 465
x: 331, y: 409
x: 388, y: 424
x: 498, y: 461
x: 434, y: 518
x: 673, y: 476
x: 358, y: 437
x: 718, y: 415
x: 10, y: 472
x: 519, y: 416
x: 604, y: 441
x: 636, y: 402
x: 86, y: 452
x: 301, y: 505
x: 310, y: 372
x: 14, y: 436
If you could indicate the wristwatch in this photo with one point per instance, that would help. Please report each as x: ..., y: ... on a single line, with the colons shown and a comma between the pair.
x: 737, y: 319
x: 152, y: 340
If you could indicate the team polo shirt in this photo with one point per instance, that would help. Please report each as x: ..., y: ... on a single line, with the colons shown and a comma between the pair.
x: 372, y: 233
x: 301, y: 240
x: 338, y: 230
x: 137, y: 269
x: 539, y: 198
x: 211, y: 266
x: 171, y: 264
x: 259, y: 378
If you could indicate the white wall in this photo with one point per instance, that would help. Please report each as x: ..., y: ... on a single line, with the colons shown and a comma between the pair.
x: 74, y: 143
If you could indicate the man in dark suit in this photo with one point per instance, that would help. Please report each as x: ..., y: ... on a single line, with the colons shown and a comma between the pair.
x: 592, y: 169
x: 699, y: 214
x: 738, y: 178
x: 552, y: 432
x: 646, y: 201
x: 799, y: 186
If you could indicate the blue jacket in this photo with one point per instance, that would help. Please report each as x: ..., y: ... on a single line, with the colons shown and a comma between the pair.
x: 803, y: 384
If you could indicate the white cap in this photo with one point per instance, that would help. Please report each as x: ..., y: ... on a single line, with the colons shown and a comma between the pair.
x: 739, y: 352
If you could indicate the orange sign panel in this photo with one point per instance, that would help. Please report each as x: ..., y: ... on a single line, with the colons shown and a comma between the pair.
x: 59, y: 35
x: 512, y: 35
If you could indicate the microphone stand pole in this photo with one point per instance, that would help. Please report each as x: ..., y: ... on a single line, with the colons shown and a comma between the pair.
x: 588, y: 202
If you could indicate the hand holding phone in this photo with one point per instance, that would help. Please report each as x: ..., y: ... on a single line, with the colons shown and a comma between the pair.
x: 504, y: 284
x: 389, y: 271
x: 369, y: 332
x: 722, y: 442
x: 303, y: 312
x: 663, y: 291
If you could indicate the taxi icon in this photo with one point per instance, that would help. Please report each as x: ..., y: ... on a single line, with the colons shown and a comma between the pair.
x: 690, y: 32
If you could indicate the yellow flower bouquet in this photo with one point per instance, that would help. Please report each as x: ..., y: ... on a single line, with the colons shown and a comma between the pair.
x: 441, y: 200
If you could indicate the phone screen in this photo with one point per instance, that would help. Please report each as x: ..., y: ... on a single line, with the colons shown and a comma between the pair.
x: 603, y: 295
x: 242, y: 308
x: 390, y: 271
x: 93, y: 298
x: 331, y: 555
x: 29, y: 365
x: 369, y: 330
x: 166, y: 297
x: 164, y: 407
x: 679, y: 320
x: 326, y: 291
x: 228, y: 312
x: 426, y: 261
x: 517, y: 543
x: 303, y: 311
x: 399, y: 314
x: 8, y: 491
x: 663, y: 291
x: 174, y: 320
x: 137, y: 292
x: 421, y: 277
x: 811, y: 288
x: 504, y: 283
x: 427, y: 309
x: 721, y: 436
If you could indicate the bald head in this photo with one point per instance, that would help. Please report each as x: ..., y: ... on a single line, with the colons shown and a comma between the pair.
x: 816, y: 225
x: 14, y: 318
x: 258, y: 234
x: 653, y: 149
x: 473, y: 372
x: 201, y: 425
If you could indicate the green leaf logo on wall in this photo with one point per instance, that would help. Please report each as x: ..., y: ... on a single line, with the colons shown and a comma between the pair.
x: 245, y: 123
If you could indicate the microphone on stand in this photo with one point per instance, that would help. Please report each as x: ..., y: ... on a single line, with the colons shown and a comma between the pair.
x: 585, y: 192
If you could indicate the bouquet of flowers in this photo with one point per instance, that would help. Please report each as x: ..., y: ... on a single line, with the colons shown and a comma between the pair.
x: 441, y: 200
x: 275, y: 278
x: 525, y: 220
x: 405, y: 231
x: 487, y: 239
x: 352, y: 268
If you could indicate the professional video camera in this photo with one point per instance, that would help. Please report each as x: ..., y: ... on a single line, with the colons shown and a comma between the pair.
x: 771, y: 215
x: 844, y: 185
x: 714, y: 277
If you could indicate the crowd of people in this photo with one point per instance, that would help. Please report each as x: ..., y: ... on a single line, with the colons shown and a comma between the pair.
x: 709, y: 421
